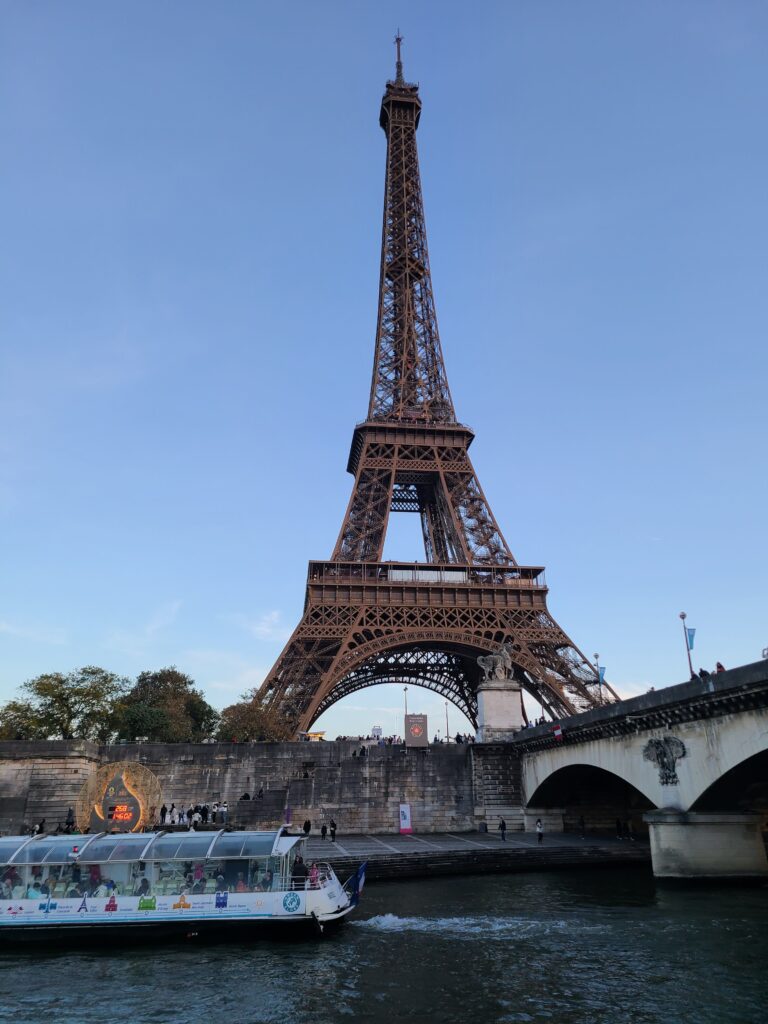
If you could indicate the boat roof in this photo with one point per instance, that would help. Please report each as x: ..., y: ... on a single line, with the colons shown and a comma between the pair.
x: 144, y: 846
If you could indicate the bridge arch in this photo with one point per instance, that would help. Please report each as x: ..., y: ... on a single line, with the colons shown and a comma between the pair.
x: 599, y: 796
x: 743, y: 787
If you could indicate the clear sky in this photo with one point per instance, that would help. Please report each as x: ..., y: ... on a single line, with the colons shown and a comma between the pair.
x: 190, y: 204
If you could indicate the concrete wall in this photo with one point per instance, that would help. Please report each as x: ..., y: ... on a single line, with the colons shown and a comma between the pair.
x: 363, y: 794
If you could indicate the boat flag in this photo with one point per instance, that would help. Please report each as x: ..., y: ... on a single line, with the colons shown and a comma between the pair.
x: 690, y: 634
x: 558, y: 731
x: 355, y: 884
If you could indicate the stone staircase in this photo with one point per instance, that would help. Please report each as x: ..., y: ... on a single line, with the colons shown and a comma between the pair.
x: 497, y: 785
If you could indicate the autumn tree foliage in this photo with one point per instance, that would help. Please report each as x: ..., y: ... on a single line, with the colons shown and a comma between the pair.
x: 57, y: 706
x: 165, y: 707
x: 247, y: 720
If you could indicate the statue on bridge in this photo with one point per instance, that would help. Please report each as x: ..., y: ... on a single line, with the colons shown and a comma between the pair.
x: 496, y: 666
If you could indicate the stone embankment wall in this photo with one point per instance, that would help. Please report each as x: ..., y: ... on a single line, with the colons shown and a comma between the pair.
x: 449, y: 787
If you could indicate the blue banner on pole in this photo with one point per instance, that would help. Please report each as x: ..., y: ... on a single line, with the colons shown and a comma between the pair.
x: 690, y: 633
x: 601, y: 670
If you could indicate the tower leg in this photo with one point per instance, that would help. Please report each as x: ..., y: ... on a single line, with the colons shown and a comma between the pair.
x: 499, y: 710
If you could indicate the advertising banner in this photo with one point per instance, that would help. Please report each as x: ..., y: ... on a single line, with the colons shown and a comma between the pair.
x: 416, y: 734
x: 405, y: 819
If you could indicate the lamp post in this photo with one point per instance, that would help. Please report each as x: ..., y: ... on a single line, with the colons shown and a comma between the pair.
x: 447, y: 734
x: 683, y: 616
x: 405, y: 697
x: 599, y: 680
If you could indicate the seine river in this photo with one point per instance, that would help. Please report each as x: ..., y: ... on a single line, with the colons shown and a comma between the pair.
x: 590, y: 946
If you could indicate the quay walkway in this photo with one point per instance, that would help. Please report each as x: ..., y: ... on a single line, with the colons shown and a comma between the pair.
x: 392, y: 856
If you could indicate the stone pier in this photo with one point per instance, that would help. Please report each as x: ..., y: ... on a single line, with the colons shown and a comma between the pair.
x: 691, y: 845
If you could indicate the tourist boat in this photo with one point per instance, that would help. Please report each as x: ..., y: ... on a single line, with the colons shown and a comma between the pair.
x: 70, y: 888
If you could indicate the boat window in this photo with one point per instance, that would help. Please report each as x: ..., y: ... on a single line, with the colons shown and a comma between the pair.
x: 164, y: 847
x: 181, y: 847
x: 9, y: 845
x: 52, y: 849
x: 193, y: 845
x: 117, y: 847
x: 259, y: 845
x: 228, y: 845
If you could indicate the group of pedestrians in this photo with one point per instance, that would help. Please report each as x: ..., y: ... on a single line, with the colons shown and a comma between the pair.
x: 306, y: 828
x: 196, y: 814
x: 705, y: 674
x: 502, y: 827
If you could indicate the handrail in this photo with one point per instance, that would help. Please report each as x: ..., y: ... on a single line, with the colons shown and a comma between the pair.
x: 427, y: 572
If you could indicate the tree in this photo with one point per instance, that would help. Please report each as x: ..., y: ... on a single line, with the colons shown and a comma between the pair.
x: 247, y: 720
x: 165, y: 707
x: 79, y: 705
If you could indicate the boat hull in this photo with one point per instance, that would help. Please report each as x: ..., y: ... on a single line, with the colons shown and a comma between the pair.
x: 189, y: 930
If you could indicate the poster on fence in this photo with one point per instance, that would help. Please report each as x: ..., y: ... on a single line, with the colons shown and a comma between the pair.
x: 416, y: 731
x: 405, y: 819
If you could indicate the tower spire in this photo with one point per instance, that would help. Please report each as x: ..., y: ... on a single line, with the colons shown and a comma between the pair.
x: 409, y: 379
x: 399, y: 63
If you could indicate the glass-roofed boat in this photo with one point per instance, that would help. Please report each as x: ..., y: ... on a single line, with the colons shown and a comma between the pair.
x: 165, y: 883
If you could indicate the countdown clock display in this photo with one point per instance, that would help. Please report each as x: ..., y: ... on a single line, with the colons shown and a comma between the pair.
x: 119, y: 797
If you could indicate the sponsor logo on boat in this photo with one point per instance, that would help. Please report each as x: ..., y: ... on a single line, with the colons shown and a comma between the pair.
x: 291, y: 902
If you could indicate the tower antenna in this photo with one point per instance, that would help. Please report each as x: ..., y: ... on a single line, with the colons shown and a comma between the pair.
x: 399, y: 64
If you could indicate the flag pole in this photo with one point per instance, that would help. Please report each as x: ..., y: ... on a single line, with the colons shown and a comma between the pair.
x: 683, y: 616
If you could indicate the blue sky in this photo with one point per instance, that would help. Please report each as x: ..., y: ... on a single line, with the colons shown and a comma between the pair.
x: 190, y: 201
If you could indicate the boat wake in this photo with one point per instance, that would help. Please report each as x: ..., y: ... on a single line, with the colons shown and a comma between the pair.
x: 472, y: 927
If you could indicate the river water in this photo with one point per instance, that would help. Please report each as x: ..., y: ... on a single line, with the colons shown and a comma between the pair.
x: 578, y: 946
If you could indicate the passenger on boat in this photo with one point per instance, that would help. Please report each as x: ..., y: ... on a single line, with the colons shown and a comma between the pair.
x: 241, y: 885
x: 265, y: 882
x: 12, y: 876
x: 221, y: 885
x: 143, y: 888
x: 199, y: 887
x: 33, y: 891
x: 300, y: 873
x: 314, y: 876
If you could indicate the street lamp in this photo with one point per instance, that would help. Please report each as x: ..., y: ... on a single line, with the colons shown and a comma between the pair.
x: 405, y: 697
x: 599, y: 680
x: 447, y: 734
x: 683, y: 616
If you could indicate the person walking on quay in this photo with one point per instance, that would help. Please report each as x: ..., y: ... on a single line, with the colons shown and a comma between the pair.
x: 224, y: 812
x: 333, y: 831
x: 540, y: 830
x: 307, y: 827
x: 323, y: 830
x: 503, y: 830
x: 163, y: 813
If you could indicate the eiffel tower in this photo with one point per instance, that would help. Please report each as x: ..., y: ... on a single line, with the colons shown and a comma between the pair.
x: 367, y: 621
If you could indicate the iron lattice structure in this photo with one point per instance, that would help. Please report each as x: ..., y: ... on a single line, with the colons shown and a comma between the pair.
x: 367, y: 621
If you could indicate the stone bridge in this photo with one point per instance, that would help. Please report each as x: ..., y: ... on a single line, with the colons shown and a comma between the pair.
x: 688, y: 763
